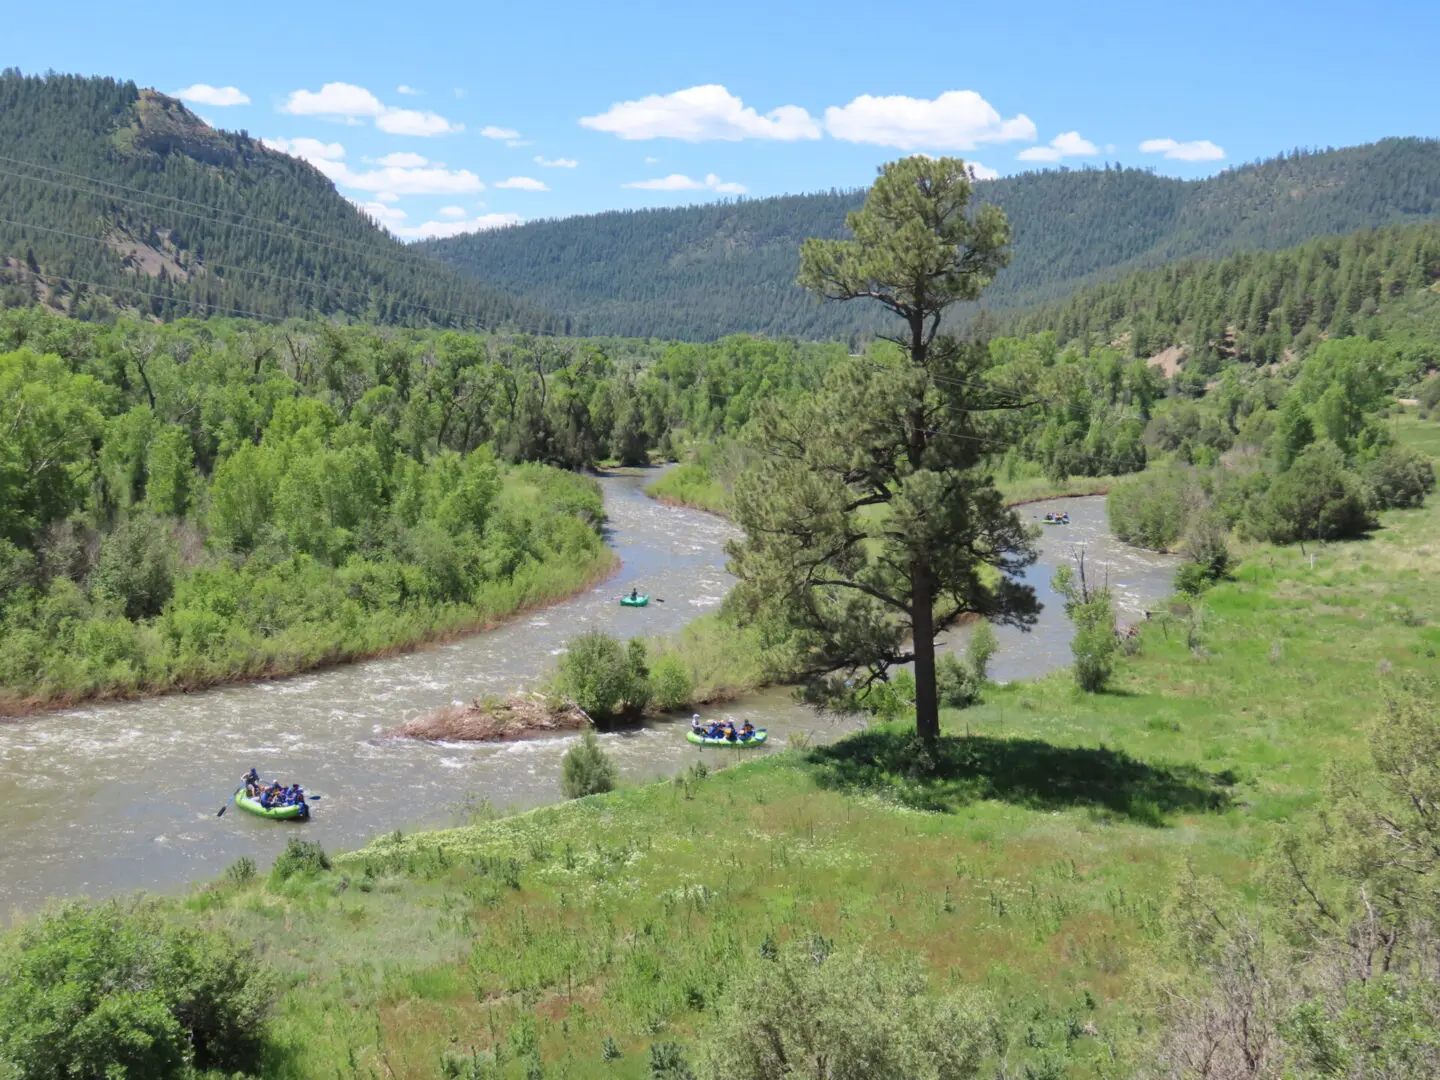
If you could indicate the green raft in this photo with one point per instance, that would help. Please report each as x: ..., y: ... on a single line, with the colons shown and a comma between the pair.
x: 638, y: 601
x: 755, y: 740
x: 277, y: 812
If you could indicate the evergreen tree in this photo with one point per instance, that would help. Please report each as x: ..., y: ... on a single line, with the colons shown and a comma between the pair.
x: 868, y: 522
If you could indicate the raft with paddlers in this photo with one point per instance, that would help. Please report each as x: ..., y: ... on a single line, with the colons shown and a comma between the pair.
x: 637, y: 599
x: 282, y: 812
x: 724, y: 733
x: 1056, y: 519
x: 272, y: 800
x: 704, y: 740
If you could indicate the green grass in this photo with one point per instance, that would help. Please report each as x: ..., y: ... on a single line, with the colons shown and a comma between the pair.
x: 690, y: 485
x: 1035, y: 859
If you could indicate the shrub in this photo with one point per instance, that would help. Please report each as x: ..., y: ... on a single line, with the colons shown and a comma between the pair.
x: 1400, y: 477
x: 956, y: 685
x: 1094, y: 645
x: 671, y: 686
x: 136, y: 571
x: 1207, y: 546
x: 112, y: 991
x: 586, y: 769
x: 979, y: 649
x: 1317, y: 498
x: 841, y: 1016
x: 603, y: 677
x: 1153, y: 509
x: 299, y: 857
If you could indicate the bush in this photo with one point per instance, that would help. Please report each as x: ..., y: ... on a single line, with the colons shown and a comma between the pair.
x: 1400, y: 477
x: 671, y: 686
x: 1095, y: 644
x: 1207, y: 546
x: 979, y: 650
x: 136, y: 571
x: 299, y: 857
x: 1153, y: 509
x: 586, y: 769
x: 111, y: 991
x: 956, y: 685
x: 603, y: 677
x: 1317, y: 498
x: 841, y: 1016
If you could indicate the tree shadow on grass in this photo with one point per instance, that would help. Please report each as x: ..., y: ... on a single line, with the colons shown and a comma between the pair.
x: 896, y: 765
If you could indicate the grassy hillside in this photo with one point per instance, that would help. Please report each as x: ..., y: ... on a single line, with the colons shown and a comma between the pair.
x: 703, y: 271
x: 114, y: 197
x: 1047, y: 862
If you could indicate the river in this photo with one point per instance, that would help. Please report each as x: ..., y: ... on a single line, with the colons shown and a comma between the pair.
x: 120, y: 797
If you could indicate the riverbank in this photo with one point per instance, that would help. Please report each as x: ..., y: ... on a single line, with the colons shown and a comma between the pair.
x: 1038, y: 863
x: 534, y: 588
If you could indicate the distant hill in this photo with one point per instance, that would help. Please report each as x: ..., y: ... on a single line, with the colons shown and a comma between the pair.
x: 113, y: 197
x: 703, y: 271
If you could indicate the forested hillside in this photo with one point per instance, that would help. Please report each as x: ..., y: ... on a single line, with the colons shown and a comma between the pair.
x: 704, y: 271
x: 112, y: 197
x: 1263, y: 307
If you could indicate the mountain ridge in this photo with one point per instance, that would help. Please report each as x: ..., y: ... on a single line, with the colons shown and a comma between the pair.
x: 121, y: 198
x: 702, y: 271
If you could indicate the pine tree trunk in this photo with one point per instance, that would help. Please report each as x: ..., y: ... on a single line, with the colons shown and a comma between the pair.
x: 927, y: 706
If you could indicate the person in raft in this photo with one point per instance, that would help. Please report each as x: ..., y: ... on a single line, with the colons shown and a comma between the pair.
x: 251, y: 782
x: 747, y: 732
x: 634, y: 595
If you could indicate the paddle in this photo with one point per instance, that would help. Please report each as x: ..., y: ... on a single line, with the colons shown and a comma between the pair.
x: 222, y: 810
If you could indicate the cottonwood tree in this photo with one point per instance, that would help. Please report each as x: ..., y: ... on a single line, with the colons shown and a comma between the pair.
x: 871, y: 525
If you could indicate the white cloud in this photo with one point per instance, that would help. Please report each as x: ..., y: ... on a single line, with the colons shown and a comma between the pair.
x: 523, y: 183
x: 431, y: 230
x: 385, y: 215
x: 403, y: 89
x: 490, y: 131
x: 557, y: 163
x: 982, y: 172
x: 386, y: 196
x: 219, y: 96
x: 403, y: 159
x: 956, y: 120
x: 391, y: 180
x: 459, y: 93
x: 679, y: 182
x: 345, y: 101
x: 699, y: 114
x: 311, y: 150
x: 414, y: 122
x: 452, y: 211
x: 513, y: 143
x: 1066, y: 144
x: 1198, y: 150
x: 333, y: 99
x: 652, y: 161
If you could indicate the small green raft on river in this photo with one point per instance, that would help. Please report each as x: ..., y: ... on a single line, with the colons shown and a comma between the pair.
x: 290, y: 810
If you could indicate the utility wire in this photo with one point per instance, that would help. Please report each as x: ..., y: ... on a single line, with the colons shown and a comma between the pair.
x: 418, y: 261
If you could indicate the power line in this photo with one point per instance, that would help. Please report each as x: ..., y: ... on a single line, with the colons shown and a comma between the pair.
x: 416, y: 263
x: 419, y: 261
x: 171, y: 299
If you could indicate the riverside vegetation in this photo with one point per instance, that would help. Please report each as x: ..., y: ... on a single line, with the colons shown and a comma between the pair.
x: 1212, y: 857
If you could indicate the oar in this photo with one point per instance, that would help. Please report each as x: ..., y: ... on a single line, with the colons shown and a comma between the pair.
x: 222, y: 810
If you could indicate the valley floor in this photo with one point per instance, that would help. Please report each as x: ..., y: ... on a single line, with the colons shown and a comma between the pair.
x: 1037, y: 861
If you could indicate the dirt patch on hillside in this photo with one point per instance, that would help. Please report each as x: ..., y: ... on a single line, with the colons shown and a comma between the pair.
x: 528, y: 717
x: 1168, y: 360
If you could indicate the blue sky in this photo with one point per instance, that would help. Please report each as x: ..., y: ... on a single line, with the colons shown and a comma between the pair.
x: 447, y: 117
